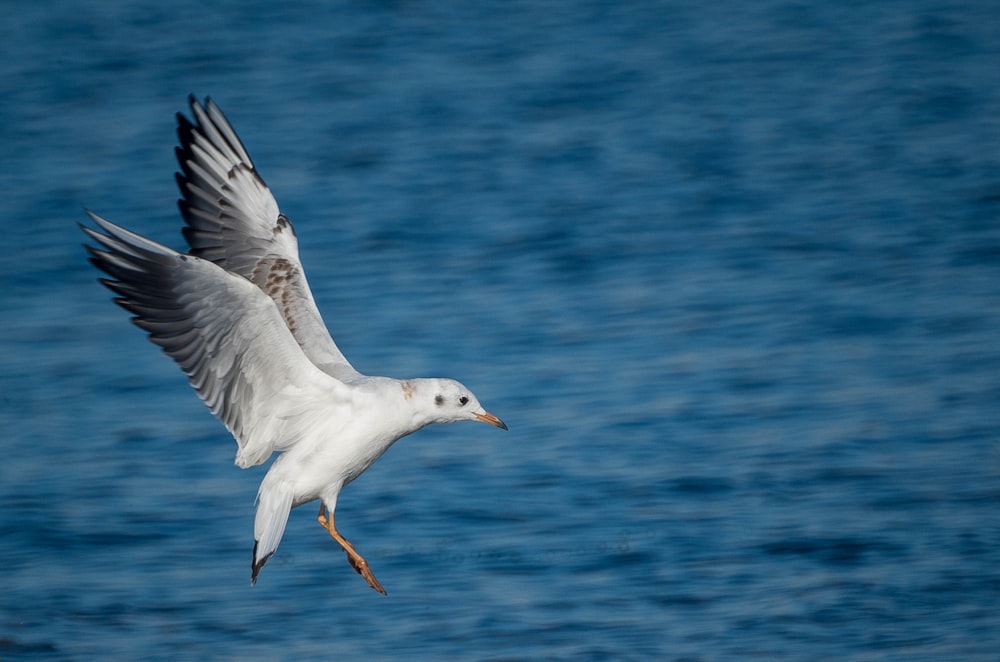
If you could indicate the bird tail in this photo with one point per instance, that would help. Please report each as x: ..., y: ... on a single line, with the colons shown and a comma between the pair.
x: 274, y: 502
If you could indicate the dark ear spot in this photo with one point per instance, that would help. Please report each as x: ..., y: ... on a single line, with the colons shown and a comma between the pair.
x: 463, y: 400
x: 439, y: 400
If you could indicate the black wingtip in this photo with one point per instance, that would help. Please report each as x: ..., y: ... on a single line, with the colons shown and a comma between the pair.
x: 256, y: 565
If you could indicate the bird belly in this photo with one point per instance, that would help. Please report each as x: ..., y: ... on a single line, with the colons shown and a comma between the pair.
x: 330, y: 464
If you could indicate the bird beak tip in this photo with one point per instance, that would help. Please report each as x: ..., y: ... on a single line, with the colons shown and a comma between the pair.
x: 487, y: 417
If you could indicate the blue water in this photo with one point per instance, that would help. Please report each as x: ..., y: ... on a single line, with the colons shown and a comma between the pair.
x: 730, y: 273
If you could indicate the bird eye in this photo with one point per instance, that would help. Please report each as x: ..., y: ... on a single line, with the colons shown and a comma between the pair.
x: 463, y: 400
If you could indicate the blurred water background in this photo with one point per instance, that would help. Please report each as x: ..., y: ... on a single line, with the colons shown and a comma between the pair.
x: 729, y: 271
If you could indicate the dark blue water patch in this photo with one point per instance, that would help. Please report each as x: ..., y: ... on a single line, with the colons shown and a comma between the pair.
x: 76, y: 542
x: 986, y: 253
x: 701, y: 485
x: 12, y: 648
x: 681, y: 598
x: 833, y: 551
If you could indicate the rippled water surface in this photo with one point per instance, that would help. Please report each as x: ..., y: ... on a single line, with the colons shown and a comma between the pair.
x: 730, y: 273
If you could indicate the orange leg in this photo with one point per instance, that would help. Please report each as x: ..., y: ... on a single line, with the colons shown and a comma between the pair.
x: 357, y: 561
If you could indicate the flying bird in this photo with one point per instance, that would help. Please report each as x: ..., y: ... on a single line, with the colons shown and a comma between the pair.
x: 237, y: 315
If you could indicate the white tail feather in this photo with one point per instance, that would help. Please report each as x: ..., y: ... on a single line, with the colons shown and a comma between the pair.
x: 274, y: 502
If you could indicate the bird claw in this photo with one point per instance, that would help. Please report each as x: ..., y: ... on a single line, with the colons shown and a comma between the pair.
x: 361, y: 566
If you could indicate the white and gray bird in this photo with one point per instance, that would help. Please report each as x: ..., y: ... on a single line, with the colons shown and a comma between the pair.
x: 237, y: 315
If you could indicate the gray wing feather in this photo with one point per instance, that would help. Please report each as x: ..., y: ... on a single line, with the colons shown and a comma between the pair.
x: 226, y: 335
x: 234, y: 221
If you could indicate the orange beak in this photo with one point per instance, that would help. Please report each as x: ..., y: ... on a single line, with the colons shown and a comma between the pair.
x: 487, y: 417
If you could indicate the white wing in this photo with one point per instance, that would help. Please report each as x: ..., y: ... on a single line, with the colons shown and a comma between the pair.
x: 234, y: 221
x: 226, y: 335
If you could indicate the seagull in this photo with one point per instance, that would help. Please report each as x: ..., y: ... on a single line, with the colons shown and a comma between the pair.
x: 237, y: 315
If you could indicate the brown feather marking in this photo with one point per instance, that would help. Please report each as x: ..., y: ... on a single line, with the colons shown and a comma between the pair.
x: 286, y: 309
x: 279, y: 284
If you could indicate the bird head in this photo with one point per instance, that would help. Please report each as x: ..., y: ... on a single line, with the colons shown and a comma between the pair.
x: 448, y: 401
